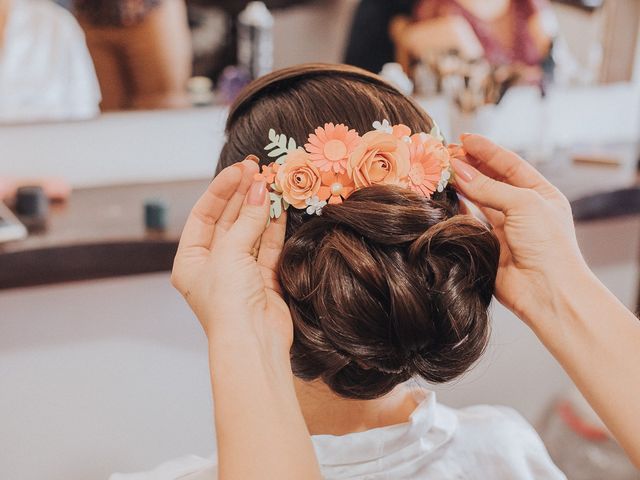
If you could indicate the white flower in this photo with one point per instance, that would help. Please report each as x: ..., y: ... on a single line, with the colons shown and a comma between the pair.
x: 276, y: 205
x: 445, y: 176
x: 314, y: 205
x: 385, y: 126
x: 435, y: 133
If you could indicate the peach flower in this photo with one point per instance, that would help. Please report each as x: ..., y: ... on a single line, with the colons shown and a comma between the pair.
x: 429, y: 157
x: 335, y: 187
x: 268, y: 173
x: 401, y: 131
x: 456, y: 151
x: 330, y: 147
x: 298, y: 178
x: 433, y: 146
x: 380, y: 158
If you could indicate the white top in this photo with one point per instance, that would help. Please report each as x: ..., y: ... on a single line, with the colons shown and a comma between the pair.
x: 46, y: 72
x: 438, y: 443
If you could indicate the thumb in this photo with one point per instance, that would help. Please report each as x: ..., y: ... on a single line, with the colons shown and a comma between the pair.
x: 484, y: 191
x: 252, y: 220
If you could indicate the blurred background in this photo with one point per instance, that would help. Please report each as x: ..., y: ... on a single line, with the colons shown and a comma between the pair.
x: 111, y: 120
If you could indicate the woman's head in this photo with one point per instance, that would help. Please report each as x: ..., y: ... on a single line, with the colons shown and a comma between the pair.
x: 389, y: 284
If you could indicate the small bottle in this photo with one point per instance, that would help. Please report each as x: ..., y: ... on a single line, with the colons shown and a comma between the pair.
x: 255, y: 39
x: 155, y: 215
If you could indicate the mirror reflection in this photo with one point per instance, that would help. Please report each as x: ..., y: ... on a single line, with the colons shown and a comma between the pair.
x: 72, y: 59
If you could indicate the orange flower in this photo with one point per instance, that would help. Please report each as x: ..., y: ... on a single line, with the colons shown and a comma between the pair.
x: 429, y: 157
x: 380, y: 158
x: 268, y: 173
x: 456, y: 151
x: 425, y: 171
x: 401, y: 131
x: 335, y: 187
x: 330, y: 147
x: 298, y: 178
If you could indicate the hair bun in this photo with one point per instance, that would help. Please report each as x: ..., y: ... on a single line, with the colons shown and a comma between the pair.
x: 457, y: 260
x: 385, y: 286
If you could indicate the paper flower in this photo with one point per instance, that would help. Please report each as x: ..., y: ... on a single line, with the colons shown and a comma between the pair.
x: 337, y: 161
x: 456, y: 151
x: 429, y: 159
x: 297, y: 178
x: 379, y: 159
x: 383, y: 126
x: 314, y: 205
x: 268, y: 173
x: 402, y: 132
x: 330, y: 146
x: 336, y: 187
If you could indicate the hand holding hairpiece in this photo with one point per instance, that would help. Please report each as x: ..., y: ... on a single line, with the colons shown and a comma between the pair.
x: 336, y: 161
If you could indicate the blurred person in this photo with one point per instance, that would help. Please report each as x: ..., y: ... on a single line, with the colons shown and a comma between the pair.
x: 46, y: 72
x: 370, y: 45
x: 516, y: 33
x: 141, y: 49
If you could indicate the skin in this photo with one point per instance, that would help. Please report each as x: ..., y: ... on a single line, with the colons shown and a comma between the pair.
x: 236, y: 297
x: 454, y: 32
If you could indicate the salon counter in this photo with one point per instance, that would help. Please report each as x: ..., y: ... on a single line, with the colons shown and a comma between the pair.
x: 100, y: 233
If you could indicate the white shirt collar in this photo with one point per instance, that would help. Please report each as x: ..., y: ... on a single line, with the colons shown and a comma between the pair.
x: 378, y: 449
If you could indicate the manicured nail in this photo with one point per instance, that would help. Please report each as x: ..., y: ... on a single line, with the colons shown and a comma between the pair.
x: 253, y: 158
x: 463, y: 172
x: 464, y: 136
x: 256, y: 193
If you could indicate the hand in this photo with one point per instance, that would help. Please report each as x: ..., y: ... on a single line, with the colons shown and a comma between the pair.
x: 532, y: 220
x: 226, y: 262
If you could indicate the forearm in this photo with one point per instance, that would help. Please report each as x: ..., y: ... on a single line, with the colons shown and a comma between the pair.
x: 597, y: 341
x: 259, y: 426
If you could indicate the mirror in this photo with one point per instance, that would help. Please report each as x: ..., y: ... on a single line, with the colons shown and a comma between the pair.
x: 76, y: 59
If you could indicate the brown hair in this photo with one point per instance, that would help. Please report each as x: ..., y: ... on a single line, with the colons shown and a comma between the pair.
x: 388, y: 284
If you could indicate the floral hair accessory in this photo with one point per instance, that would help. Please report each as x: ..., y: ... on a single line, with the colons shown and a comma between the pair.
x: 336, y: 161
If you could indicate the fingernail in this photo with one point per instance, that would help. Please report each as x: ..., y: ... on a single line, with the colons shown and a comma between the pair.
x: 464, y: 136
x: 256, y: 193
x: 463, y: 171
x: 253, y: 158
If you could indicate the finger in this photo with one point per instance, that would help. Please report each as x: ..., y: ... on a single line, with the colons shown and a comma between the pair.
x: 252, y: 219
x: 232, y: 209
x: 487, y: 192
x: 501, y: 164
x: 270, y: 250
x: 200, y: 226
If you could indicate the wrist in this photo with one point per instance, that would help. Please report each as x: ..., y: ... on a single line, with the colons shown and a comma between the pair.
x: 553, y: 294
x: 572, y: 294
x: 244, y: 351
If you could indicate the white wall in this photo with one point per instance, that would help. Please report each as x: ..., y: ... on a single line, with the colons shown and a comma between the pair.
x: 123, y: 147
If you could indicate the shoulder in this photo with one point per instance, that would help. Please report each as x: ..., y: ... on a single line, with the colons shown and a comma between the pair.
x: 499, y: 439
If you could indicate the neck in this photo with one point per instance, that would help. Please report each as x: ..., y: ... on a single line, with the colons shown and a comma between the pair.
x: 325, y: 413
